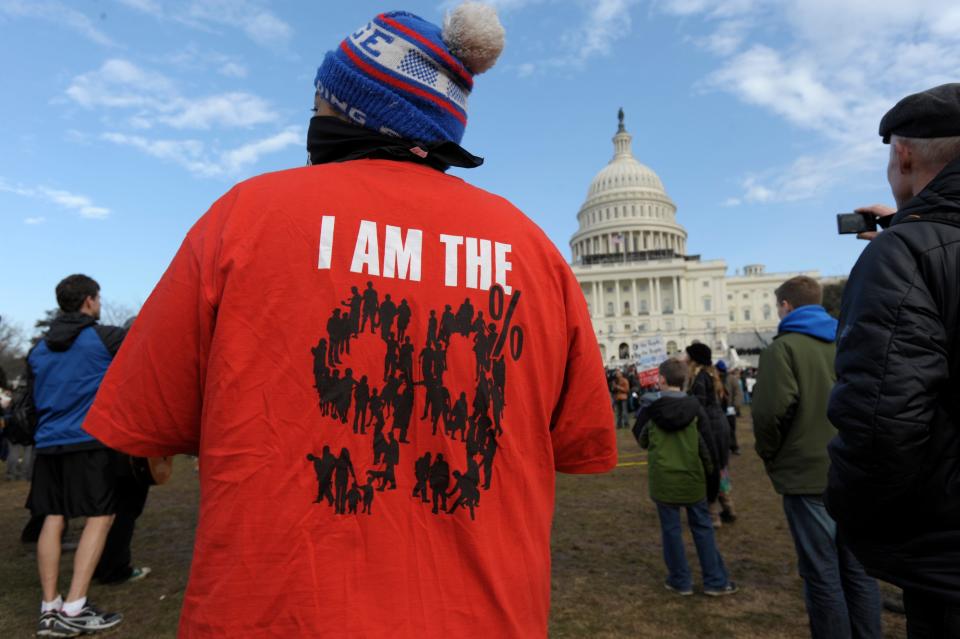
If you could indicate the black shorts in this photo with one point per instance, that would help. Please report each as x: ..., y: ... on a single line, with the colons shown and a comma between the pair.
x: 76, y: 484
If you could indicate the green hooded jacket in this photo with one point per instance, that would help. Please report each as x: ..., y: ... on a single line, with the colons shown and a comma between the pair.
x: 790, y: 401
x: 678, y: 461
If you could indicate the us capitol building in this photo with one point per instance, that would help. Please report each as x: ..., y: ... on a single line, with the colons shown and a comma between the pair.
x: 630, y: 257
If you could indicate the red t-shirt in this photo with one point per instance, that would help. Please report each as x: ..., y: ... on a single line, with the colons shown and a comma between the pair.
x: 381, y: 368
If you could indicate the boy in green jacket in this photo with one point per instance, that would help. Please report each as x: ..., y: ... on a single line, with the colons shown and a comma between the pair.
x: 678, y: 464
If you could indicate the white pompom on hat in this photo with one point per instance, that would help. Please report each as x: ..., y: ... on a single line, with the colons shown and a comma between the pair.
x: 474, y: 34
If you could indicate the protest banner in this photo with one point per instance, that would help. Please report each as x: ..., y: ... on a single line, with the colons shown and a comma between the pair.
x: 648, y: 353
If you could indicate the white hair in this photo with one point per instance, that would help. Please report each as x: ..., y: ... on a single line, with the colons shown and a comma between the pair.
x: 931, y: 151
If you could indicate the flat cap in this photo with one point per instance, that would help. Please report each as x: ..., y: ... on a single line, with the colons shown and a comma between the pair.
x: 934, y: 113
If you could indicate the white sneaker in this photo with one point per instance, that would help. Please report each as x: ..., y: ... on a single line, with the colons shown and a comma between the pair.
x: 91, y: 620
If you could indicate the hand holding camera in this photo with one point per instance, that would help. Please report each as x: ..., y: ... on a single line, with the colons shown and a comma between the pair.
x: 865, y: 220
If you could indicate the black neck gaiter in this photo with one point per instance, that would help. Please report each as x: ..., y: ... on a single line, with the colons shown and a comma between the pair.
x: 330, y: 139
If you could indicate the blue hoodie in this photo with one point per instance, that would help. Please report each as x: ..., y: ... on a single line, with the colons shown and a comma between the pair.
x: 65, y: 371
x: 812, y: 320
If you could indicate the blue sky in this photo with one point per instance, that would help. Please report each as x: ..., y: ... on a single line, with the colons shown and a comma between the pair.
x: 123, y: 120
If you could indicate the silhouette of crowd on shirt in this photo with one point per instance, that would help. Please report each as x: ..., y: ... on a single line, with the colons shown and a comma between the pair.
x: 383, y: 404
x: 338, y: 472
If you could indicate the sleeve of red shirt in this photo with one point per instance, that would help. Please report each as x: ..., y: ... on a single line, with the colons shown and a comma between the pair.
x: 584, y: 439
x: 149, y: 403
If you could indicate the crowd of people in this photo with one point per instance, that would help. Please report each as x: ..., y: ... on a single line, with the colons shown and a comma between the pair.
x: 856, y: 422
x: 688, y: 424
x: 804, y: 438
x: 627, y: 389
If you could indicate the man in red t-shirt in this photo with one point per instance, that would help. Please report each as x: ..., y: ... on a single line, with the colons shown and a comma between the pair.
x: 380, y: 366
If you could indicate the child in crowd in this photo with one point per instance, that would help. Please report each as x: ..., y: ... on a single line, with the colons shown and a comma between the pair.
x: 678, y: 464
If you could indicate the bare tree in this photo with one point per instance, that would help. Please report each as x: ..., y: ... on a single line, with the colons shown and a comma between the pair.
x: 832, y: 295
x: 116, y: 314
x: 42, y: 325
x: 12, y: 345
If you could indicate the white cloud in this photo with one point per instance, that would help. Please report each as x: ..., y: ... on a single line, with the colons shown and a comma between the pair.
x: 153, y: 98
x: 227, y: 109
x: 830, y: 68
x: 79, y: 203
x: 728, y: 37
x: 248, y: 16
x: 240, y: 158
x: 5, y: 187
x: 683, y: 7
x: 34, y: 220
x: 57, y: 13
x: 526, y: 69
x: 187, y: 153
x: 754, y: 192
x: 264, y: 28
x: 607, y: 22
x: 65, y: 199
x: 152, y: 102
x: 808, y: 176
x: 233, y: 70
x: 191, y: 58
x: 792, y: 88
x: 710, y: 8
x: 501, y: 5
x: 603, y: 24
x: 146, y: 6
x: 121, y: 84
x: 194, y: 155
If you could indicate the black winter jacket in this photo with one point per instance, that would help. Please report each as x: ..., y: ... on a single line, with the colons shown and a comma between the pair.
x: 894, y: 483
x: 718, y: 438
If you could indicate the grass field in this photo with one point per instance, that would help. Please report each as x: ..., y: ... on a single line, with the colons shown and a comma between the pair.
x: 607, y: 579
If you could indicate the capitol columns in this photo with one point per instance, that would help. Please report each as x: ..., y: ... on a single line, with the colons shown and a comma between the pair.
x: 635, y: 309
x: 619, y: 309
x: 676, y: 295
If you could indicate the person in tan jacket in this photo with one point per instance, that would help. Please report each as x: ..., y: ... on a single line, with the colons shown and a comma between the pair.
x: 620, y: 389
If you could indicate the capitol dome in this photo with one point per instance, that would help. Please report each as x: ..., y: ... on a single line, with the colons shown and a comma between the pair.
x: 627, y: 212
x: 625, y: 172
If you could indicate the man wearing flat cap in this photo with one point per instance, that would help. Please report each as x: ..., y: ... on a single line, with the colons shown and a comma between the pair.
x: 894, y: 485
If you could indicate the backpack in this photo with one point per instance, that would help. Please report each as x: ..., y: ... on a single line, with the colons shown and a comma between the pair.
x: 20, y: 424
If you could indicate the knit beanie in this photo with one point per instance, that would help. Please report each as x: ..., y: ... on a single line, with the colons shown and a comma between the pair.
x: 700, y: 353
x: 403, y: 76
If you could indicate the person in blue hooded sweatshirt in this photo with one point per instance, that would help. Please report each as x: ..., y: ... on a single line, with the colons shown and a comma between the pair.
x: 792, y: 432
x: 73, y: 473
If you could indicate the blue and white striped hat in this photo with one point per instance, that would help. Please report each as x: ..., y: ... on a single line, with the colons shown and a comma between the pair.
x: 407, y: 77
